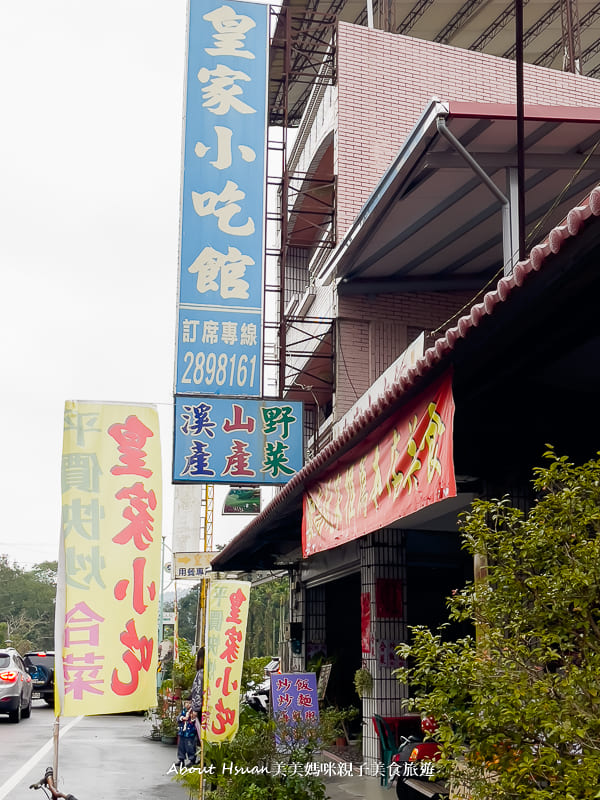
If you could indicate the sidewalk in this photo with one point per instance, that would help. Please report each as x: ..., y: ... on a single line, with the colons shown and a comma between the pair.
x: 355, y: 785
x: 341, y: 786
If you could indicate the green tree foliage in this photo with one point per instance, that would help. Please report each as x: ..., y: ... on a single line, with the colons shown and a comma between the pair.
x: 253, y: 671
x: 187, y: 612
x: 27, y: 605
x: 519, y: 703
x: 45, y: 572
x: 184, y: 671
x: 268, y: 603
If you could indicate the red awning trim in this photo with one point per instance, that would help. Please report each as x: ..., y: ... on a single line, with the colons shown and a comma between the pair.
x: 570, y: 227
x: 537, y: 112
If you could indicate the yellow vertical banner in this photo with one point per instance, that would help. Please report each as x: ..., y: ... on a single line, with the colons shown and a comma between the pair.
x: 109, y: 559
x: 225, y: 641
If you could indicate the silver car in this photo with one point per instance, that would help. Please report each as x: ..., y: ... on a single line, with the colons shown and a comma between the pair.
x: 16, y: 686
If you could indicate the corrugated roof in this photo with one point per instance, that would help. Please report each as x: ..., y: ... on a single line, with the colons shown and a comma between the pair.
x: 471, y: 25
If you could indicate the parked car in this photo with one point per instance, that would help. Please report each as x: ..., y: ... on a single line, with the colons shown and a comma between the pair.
x: 16, y: 686
x: 40, y: 665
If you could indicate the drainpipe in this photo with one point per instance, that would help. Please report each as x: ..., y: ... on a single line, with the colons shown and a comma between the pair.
x: 507, y: 248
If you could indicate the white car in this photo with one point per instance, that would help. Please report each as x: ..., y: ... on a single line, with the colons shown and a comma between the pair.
x: 16, y: 686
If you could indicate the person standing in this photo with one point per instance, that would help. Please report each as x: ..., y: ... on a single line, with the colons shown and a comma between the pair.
x: 198, y: 689
x: 187, y: 741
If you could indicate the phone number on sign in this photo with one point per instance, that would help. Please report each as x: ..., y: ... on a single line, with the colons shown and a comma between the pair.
x: 221, y: 369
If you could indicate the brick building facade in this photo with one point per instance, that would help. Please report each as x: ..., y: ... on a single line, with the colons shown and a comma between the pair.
x: 353, y: 132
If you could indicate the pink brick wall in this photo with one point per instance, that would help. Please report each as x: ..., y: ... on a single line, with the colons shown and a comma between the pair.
x: 425, y: 310
x: 363, y: 342
x: 385, y: 82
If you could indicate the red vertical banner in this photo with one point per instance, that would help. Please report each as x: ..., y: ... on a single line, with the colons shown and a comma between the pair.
x: 388, y: 598
x: 409, y: 466
x: 365, y: 622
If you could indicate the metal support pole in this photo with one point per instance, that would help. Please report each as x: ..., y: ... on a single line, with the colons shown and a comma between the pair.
x: 55, y: 739
x: 161, y: 605
x: 487, y: 181
x: 513, y: 195
x: 284, y: 208
x: 520, y: 125
x: 175, y: 630
x: 203, y: 642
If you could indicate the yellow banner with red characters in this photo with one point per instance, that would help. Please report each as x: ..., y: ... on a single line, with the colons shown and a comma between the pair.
x: 403, y: 467
x: 109, y: 559
x: 224, y: 656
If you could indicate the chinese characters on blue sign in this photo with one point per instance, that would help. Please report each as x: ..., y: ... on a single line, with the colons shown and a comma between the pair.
x: 294, y: 701
x: 219, y: 440
x: 219, y: 336
x: 295, y: 696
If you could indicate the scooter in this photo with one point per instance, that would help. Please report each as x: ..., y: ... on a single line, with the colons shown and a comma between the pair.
x: 415, y: 766
x: 257, y: 697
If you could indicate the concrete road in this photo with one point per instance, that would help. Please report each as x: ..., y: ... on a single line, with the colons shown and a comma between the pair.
x: 100, y: 758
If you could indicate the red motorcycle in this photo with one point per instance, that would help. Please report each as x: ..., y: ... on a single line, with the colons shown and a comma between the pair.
x: 415, y: 766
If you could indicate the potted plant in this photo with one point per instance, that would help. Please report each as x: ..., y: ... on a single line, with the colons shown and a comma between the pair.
x: 363, y: 682
x: 155, y: 721
x: 168, y: 729
x: 335, y: 722
x: 167, y: 712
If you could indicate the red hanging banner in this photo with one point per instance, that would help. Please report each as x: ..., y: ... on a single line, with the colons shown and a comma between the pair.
x: 365, y: 623
x: 392, y: 475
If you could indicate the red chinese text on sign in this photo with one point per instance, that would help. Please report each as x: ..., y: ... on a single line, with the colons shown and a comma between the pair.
x: 135, y: 663
x: 131, y: 437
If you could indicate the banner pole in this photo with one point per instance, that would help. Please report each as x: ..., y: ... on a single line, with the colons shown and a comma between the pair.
x: 202, y: 643
x: 55, y: 736
x: 175, y: 630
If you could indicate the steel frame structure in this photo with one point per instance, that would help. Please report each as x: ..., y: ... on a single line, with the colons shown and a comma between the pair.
x: 308, y: 42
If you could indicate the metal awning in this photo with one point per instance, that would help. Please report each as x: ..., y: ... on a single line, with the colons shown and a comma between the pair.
x: 436, y: 223
x: 560, y: 367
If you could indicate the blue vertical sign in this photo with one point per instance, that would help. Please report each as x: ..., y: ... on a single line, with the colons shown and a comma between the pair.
x: 295, y: 708
x: 219, y: 329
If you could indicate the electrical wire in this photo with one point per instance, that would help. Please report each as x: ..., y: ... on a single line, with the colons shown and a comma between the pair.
x: 341, y: 353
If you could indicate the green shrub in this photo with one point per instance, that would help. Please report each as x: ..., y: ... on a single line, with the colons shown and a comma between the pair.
x: 254, y: 767
x: 254, y: 670
x: 518, y: 704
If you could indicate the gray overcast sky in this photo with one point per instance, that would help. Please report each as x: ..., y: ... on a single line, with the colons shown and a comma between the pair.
x: 91, y: 100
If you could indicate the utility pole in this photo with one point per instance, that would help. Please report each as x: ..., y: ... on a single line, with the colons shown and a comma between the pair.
x: 520, y: 126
